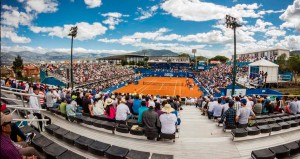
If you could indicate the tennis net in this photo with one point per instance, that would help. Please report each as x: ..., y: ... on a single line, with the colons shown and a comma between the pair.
x: 163, y: 83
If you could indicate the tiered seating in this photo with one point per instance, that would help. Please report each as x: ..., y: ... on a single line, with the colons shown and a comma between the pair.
x: 268, y: 124
x: 50, y: 149
x: 92, y: 146
x: 281, y: 151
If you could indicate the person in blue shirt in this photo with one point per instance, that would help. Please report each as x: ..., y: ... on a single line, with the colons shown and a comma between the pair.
x: 141, y: 111
x: 136, y: 105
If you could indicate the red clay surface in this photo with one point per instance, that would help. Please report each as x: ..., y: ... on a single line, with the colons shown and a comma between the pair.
x: 162, y: 89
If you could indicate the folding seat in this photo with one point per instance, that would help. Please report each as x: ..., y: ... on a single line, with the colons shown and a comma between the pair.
x: 273, y: 115
x: 285, y: 125
x: 50, y: 128
x: 239, y: 132
x: 270, y: 120
x: 98, y: 148
x: 285, y: 118
x: 26, y: 129
x: 278, y: 119
x: 168, y: 136
x: 131, y: 122
x: 298, y: 116
x: 40, y: 142
x: 139, y: 132
x: 261, y: 122
x: 275, y: 127
x: 293, y: 123
x: 53, y: 150
x: 293, y: 147
x: 115, y: 152
x: 58, y: 112
x: 59, y: 133
x: 100, y: 117
x: 86, y: 114
x: 135, y: 117
x: 79, y: 119
x: 259, y: 117
x: 280, y: 151
x: 229, y: 127
x: 109, y: 126
x: 133, y: 154
x: 253, y: 130
x: 69, y: 154
x: 70, y: 137
x: 88, y: 121
x: 263, y: 154
x: 83, y: 142
x: 71, y: 118
x: 122, y: 128
x: 293, y: 117
x: 264, y: 128
x: 64, y: 115
x: 98, y: 123
x: 297, y: 121
x: 161, y: 156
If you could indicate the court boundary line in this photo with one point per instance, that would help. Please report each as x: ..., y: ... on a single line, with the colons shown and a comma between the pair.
x: 175, y: 88
x: 145, y: 85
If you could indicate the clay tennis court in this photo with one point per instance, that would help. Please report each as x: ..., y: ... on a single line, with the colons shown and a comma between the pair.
x: 162, y: 86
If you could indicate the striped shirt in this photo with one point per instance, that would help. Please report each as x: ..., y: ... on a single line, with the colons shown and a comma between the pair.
x: 42, y: 99
x: 237, y: 105
x: 8, y: 150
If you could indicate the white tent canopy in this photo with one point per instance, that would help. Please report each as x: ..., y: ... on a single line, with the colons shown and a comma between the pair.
x: 264, y: 66
x: 264, y: 63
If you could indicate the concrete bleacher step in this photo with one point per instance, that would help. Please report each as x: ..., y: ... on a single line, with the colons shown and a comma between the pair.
x: 53, y: 150
x: 115, y: 152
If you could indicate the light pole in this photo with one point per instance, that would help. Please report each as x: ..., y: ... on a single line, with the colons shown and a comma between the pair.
x: 195, y: 60
x: 231, y: 22
x: 73, y: 33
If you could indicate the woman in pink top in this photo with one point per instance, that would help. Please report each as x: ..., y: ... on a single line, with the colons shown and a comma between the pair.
x: 110, y: 111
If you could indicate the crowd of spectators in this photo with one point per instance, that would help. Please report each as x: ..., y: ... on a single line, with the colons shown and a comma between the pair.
x: 249, y: 58
x: 238, y: 111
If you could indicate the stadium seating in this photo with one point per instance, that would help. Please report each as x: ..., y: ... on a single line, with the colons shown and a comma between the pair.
x: 53, y: 150
x: 83, y: 142
x: 60, y: 133
x: 115, y: 152
x: 133, y: 154
x: 98, y: 148
x: 70, y: 137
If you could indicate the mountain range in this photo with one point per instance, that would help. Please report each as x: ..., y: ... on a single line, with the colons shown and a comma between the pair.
x: 32, y: 57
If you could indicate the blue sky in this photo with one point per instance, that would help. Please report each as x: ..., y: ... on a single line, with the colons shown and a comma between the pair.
x: 121, y: 26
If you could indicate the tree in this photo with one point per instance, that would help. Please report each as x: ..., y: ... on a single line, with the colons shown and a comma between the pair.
x: 131, y: 63
x: 222, y: 59
x: 18, y: 66
x: 282, y: 62
x: 201, y: 58
x: 184, y: 55
x: 124, y: 62
x: 293, y: 65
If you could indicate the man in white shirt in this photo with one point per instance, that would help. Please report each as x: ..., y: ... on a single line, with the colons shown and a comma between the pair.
x: 168, y: 120
x: 123, y: 112
x: 49, y: 98
x: 210, y: 108
x: 35, y: 104
x: 217, y: 110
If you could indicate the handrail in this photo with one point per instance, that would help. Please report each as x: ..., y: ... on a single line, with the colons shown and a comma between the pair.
x: 13, y: 88
x: 24, y: 94
x: 30, y: 119
x: 10, y: 99
x: 22, y: 108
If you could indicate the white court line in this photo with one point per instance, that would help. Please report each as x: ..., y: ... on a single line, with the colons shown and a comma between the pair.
x: 175, y: 88
x: 161, y: 86
x: 145, y: 85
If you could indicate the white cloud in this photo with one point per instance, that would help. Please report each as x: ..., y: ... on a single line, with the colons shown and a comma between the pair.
x: 275, y: 33
x: 291, y: 42
x: 145, y: 14
x: 10, y: 16
x: 196, y: 10
x: 113, y: 19
x: 10, y: 33
x: 291, y: 16
x: 93, y: 3
x: 263, y: 12
x: 85, y: 31
x: 41, y: 6
x: 42, y: 50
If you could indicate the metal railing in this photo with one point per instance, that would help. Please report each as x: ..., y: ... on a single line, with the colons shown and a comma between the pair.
x: 15, y: 108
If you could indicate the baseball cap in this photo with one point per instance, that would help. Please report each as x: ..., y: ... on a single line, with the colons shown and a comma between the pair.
x: 3, y: 107
x: 231, y: 102
x: 5, y: 118
x: 244, y: 101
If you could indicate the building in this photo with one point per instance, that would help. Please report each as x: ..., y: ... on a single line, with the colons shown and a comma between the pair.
x: 32, y: 72
x: 268, y: 54
x: 7, y: 72
x: 117, y: 59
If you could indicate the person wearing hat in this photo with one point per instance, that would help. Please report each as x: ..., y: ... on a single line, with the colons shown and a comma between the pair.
x: 63, y: 104
x: 123, y: 112
x: 168, y: 120
x: 98, y: 108
x: 150, y: 121
x: 229, y: 115
x: 10, y: 149
x: 243, y: 115
x: 110, y: 110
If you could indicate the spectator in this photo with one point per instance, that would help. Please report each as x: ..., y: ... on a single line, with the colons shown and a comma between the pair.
x: 98, y: 108
x: 35, y: 104
x: 158, y: 109
x: 50, y: 98
x: 168, y: 120
x: 71, y: 109
x: 141, y: 110
x: 123, y: 112
x: 136, y: 105
x: 42, y: 97
x: 229, y: 115
x: 62, y: 106
x: 257, y: 108
x: 243, y: 115
x: 217, y: 109
x: 237, y: 103
x: 87, y: 105
x: 150, y: 122
x: 211, y: 105
x: 293, y: 108
x: 110, y: 110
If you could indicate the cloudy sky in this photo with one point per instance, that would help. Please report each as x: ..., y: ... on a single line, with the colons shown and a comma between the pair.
x: 120, y: 26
